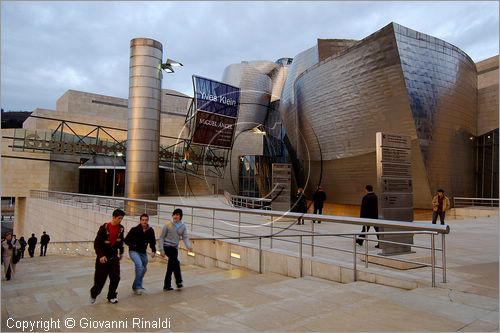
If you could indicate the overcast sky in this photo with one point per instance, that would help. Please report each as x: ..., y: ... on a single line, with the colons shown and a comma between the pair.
x: 50, y: 47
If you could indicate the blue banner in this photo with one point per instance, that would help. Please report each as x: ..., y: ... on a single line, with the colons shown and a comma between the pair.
x: 216, y: 97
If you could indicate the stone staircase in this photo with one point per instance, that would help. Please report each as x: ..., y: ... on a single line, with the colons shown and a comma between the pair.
x: 57, y: 287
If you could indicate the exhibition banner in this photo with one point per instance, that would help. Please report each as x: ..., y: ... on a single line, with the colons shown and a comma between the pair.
x: 216, y: 97
x: 216, y: 106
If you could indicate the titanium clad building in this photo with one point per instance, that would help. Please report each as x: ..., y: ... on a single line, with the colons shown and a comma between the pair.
x: 339, y: 93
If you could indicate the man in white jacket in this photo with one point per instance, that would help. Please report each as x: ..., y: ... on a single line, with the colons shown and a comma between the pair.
x: 170, y: 236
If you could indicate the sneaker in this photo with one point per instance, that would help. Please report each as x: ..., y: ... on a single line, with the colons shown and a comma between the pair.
x: 138, y: 291
x: 179, y: 286
x: 113, y: 300
x: 168, y: 288
x: 92, y: 300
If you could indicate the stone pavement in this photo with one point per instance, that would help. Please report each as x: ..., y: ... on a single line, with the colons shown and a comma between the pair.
x: 56, y: 287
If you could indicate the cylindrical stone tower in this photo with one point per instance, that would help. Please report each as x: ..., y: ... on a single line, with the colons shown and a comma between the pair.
x: 143, y: 136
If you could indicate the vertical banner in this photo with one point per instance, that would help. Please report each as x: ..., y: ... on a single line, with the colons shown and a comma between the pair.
x: 216, y: 106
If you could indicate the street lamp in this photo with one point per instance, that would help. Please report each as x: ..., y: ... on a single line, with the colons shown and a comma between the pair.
x: 167, y: 66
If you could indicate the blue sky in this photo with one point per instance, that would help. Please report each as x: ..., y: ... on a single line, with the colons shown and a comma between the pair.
x: 51, y: 46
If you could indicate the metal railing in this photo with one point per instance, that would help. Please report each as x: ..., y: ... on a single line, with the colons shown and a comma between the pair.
x: 354, y: 237
x: 461, y: 202
x: 238, y: 223
x: 248, y: 202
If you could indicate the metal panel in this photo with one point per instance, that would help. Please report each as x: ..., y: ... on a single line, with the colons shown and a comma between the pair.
x: 395, y: 80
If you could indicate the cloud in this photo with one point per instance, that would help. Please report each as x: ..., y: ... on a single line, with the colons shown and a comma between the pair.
x: 50, y: 47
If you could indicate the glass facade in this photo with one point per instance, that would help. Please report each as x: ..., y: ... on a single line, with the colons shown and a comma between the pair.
x: 254, y: 176
x: 487, y: 165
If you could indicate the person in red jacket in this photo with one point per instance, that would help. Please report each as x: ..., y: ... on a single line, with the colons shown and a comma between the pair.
x: 108, y: 246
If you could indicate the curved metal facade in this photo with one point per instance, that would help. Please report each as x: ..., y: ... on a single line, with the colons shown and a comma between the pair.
x: 395, y: 80
x: 256, y: 88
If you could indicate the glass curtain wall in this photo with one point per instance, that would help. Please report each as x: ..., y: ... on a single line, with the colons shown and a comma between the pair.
x: 487, y: 165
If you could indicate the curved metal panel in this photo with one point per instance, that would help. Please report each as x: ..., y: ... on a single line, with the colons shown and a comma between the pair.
x: 255, y: 92
x: 395, y: 80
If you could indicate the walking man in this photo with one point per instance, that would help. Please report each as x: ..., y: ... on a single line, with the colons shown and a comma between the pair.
x: 108, y: 245
x: 319, y: 198
x: 369, y: 209
x: 31, y: 245
x: 44, y: 241
x: 137, y: 240
x: 170, y: 236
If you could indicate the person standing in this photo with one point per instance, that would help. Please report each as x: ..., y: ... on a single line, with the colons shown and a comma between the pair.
x: 31, y: 245
x: 440, y: 204
x: 137, y: 240
x: 319, y: 198
x: 22, y: 244
x: 9, y: 251
x: 108, y: 245
x: 369, y: 210
x: 44, y: 241
x: 171, y: 234
x: 300, y: 204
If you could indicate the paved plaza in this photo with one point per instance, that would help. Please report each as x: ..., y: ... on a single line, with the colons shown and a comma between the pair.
x: 214, y: 299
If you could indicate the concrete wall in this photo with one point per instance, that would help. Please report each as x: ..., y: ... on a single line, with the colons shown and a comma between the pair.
x: 487, y: 98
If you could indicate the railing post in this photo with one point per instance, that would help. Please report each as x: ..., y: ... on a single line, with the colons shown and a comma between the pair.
x: 301, y: 256
x: 213, y: 222
x: 366, y: 251
x: 355, y: 272
x: 443, y: 248
x: 312, y: 239
x: 260, y: 255
x: 192, y: 218
x: 272, y: 231
x: 239, y: 226
x: 433, y: 260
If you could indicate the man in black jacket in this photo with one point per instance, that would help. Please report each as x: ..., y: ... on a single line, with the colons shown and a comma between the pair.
x: 44, y: 241
x: 108, y: 246
x: 319, y: 198
x: 369, y: 209
x: 31, y: 245
x: 137, y: 240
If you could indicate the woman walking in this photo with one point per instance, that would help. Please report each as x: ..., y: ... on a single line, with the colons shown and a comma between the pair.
x: 10, y: 247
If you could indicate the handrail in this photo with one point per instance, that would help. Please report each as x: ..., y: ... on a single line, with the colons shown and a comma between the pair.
x: 355, y: 237
x: 410, y: 226
x: 460, y: 202
x: 231, y: 222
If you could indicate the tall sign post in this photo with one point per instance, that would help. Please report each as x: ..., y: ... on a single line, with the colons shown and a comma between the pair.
x: 282, y: 180
x: 395, y: 187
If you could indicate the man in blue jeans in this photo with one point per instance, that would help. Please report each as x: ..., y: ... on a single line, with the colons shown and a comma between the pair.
x: 137, y: 240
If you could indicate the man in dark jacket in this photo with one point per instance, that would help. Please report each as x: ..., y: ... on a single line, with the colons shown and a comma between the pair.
x: 44, y: 241
x: 108, y: 246
x: 319, y: 198
x: 369, y: 210
x: 137, y: 240
x: 31, y: 245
